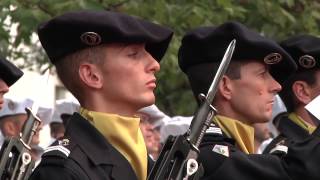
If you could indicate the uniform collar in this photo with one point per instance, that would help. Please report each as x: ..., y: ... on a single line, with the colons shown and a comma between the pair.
x: 291, y: 130
x: 90, y: 140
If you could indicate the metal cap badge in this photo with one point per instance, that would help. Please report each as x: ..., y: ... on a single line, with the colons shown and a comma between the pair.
x: 272, y: 58
x: 90, y: 38
x: 307, y: 61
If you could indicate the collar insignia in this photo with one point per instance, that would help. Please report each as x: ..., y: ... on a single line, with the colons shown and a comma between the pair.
x: 220, y: 149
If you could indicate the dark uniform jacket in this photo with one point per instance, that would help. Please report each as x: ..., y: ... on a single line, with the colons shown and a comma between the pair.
x: 289, y: 132
x: 301, y: 162
x: 83, y: 154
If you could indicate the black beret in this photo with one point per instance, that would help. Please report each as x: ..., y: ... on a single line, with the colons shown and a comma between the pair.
x: 9, y: 73
x: 305, y: 51
x: 202, y: 50
x: 78, y: 30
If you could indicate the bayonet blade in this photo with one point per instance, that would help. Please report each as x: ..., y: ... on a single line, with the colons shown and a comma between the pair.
x: 221, y: 71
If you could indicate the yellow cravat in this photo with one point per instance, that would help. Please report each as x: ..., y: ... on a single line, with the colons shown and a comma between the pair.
x: 300, y: 122
x: 125, y: 135
x: 242, y: 133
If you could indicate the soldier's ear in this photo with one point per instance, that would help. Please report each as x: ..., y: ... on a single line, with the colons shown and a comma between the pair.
x: 225, y: 88
x: 90, y: 75
x: 302, y: 92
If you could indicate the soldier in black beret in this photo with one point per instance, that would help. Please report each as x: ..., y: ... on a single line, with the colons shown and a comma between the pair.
x: 245, y: 96
x: 9, y: 74
x: 300, y: 89
x: 108, y: 61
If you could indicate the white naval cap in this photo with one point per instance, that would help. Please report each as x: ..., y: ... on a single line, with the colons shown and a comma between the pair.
x: 17, y: 106
x: 177, y: 125
x: 157, y: 117
x: 278, y: 109
x: 278, y: 106
x: 45, y: 114
x: 64, y: 106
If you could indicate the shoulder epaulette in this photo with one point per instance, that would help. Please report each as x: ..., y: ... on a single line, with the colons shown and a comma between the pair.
x: 57, y: 151
x: 61, y: 149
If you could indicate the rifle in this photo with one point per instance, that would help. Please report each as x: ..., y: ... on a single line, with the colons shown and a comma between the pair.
x: 178, y: 157
x: 16, y: 162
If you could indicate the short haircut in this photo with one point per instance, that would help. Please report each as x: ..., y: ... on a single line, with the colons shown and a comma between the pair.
x: 234, y: 69
x: 287, y: 95
x: 68, y: 67
x: 201, y: 76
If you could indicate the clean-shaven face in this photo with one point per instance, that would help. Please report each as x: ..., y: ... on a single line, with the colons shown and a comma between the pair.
x: 253, y: 94
x: 129, y: 75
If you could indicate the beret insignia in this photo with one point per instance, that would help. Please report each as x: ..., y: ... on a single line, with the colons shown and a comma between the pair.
x: 307, y: 61
x: 272, y: 58
x: 90, y: 38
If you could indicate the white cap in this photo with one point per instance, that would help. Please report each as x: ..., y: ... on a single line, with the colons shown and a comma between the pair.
x: 17, y: 106
x: 177, y: 125
x: 157, y: 117
x: 64, y: 106
x: 278, y: 106
x: 45, y: 114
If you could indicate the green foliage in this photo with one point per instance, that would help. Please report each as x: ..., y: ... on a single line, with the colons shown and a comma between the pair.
x: 276, y: 19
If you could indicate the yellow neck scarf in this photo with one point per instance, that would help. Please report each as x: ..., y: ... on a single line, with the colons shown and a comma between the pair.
x: 242, y: 133
x: 300, y: 122
x: 125, y: 135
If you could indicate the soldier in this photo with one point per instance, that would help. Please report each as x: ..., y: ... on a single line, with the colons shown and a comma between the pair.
x: 245, y: 96
x: 9, y: 74
x: 151, y: 121
x: 300, y: 89
x: 261, y: 134
x: 108, y: 61
x: 63, y: 107
x: 12, y: 118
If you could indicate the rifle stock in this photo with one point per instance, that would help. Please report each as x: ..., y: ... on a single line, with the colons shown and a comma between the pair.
x: 16, y: 162
x: 178, y: 157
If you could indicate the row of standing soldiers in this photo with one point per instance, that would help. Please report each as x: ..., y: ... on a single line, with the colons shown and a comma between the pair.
x: 108, y: 61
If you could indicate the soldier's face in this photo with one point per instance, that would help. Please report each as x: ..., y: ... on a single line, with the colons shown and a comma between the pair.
x: 3, y: 89
x: 150, y: 134
x: 129, y: 76
x: 16, y: 124
x: 147, y: 131
x: 252, y: 96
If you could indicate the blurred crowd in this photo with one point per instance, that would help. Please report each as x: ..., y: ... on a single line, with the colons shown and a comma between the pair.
x: 155, y: 125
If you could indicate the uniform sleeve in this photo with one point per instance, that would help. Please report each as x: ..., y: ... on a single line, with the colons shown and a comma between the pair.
x: 57, y: 168
x: 53, y: 173
x: 301, y: 162
x: 223, y: 161
x: 303, y: 158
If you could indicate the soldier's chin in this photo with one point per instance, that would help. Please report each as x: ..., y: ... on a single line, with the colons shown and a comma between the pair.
x: 149, y: 101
